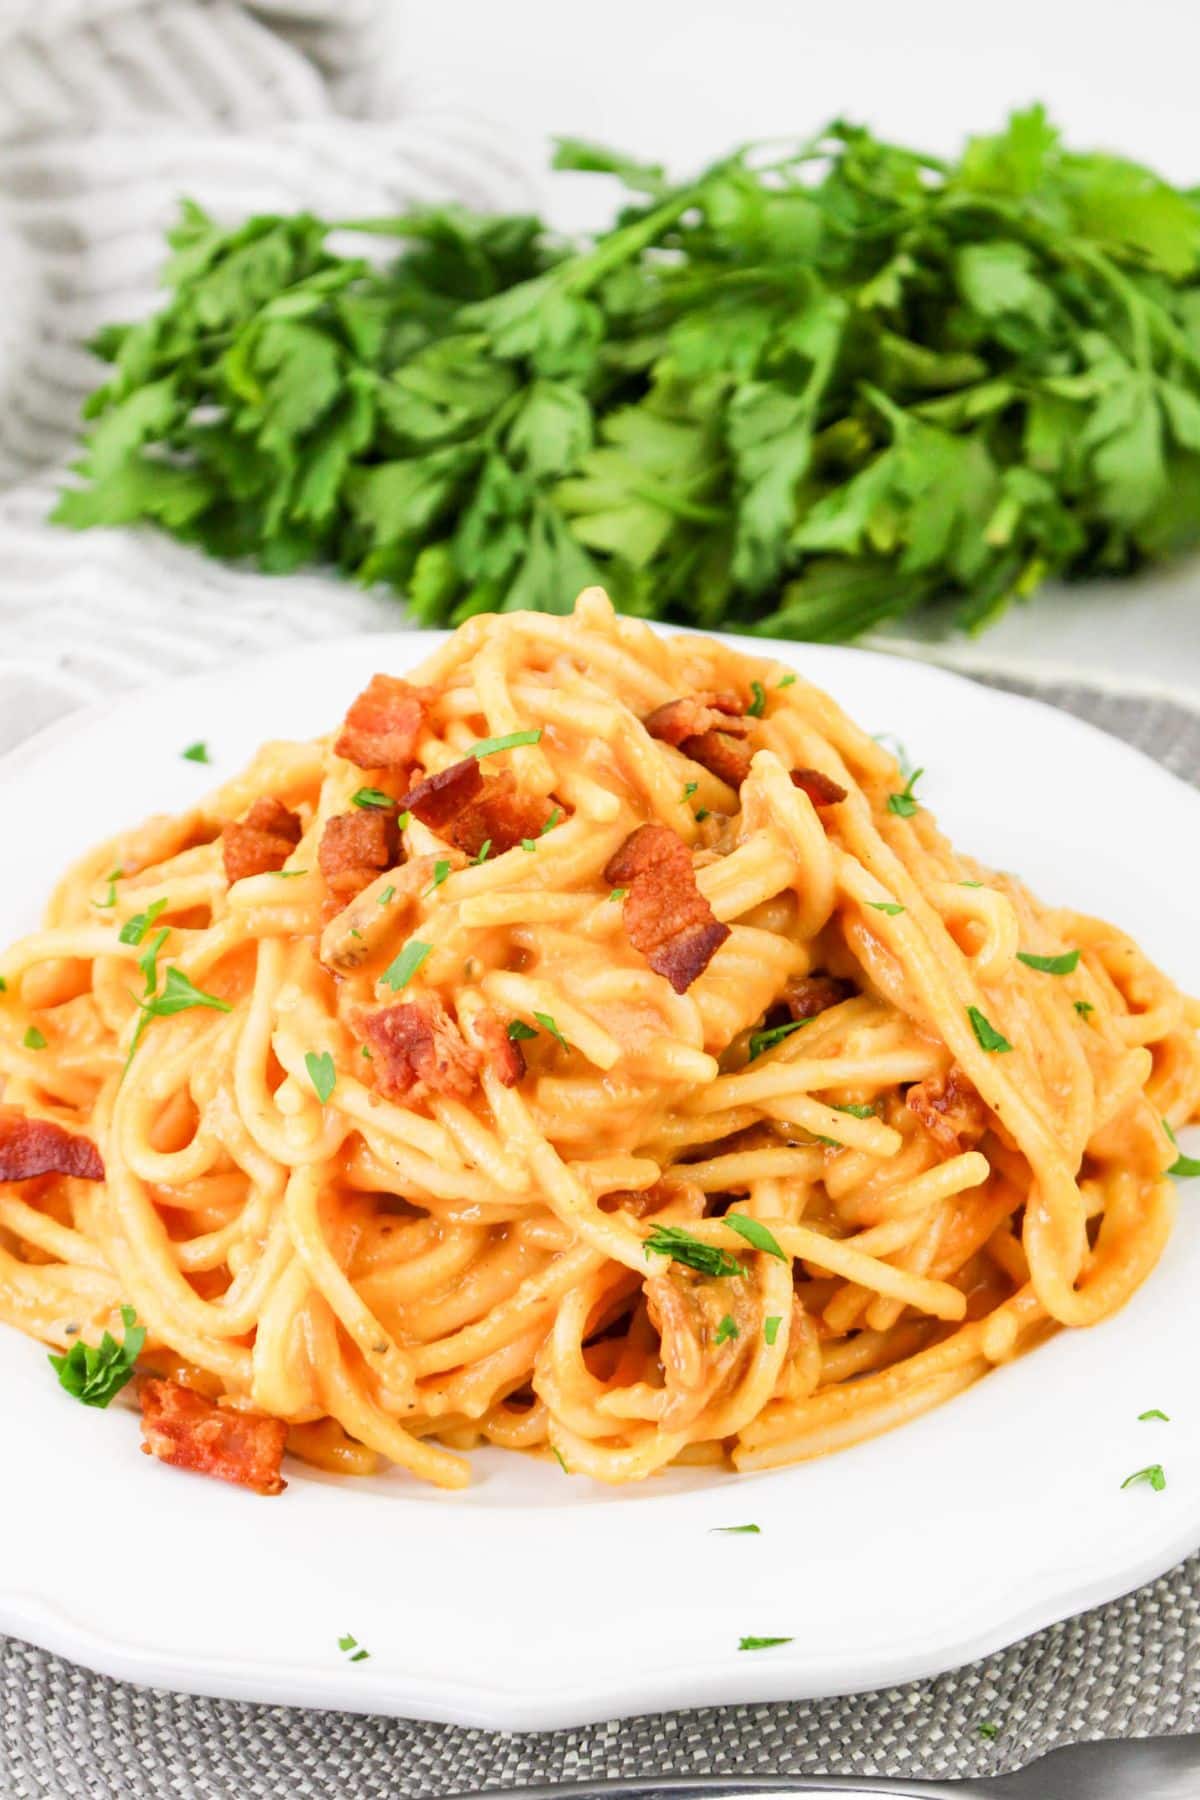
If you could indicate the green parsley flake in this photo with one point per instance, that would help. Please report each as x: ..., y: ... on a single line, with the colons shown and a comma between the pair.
x: 288, y: 874
x: 1083, y: 1008
x: 562, y: 1461
x: 905, y: 804
x: 197, y: 753
x: 857, y: 1112
x: 34, y: 1039
x: 372, y: 798
x: 135, y: 929
x: 1154, y: 1414
x: 988, y: 1730
x: 701, y: 815
x: 735, y: 1530
x: 682, y: 1247
x: 388, y: 895
x: 1066, y: 964
x: 727, y: 1329
x: 514, y: 741
x: 112, y: 879
x: 973, y: 884
x: 1184, y: 1167
x: 518, y: 1031
x: 97, y: 1374
x: 547, y: 1024
x: 891, y: 907
x: 689, y: 789
x: 321, y: 1073
x: 404, y: 821
x: 762, y: 1643
x: 755, y: 1233
x: 761, y: 1041
x: 481, y: 854
x: 785, y: 681
x: 618, y: 894
x: 529, y: 843
x: 400, y: 972
x: 352, y: 1645
x: 986, y: 1035
x: 771, y: 1329
x: 552, y: 821
x: 758, y: 705
x: 3, y: 985
x: 1152, y: 1475
x: 440, y: 871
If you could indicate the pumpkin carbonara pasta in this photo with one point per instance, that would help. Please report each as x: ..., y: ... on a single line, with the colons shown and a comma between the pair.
x: 591, y: 1047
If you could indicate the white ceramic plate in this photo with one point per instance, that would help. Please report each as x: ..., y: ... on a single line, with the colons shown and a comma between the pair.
x: 536, y: 1600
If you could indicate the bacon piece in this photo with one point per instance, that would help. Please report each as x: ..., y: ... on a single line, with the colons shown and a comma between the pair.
x: 813, y: 994
x: 822, y: 790
x: 950, y: 1109
x: 261, y: 842
x: 355, y: 847
x: 417, y: 1050
x: 708, y: 729
x: 181, y: 1427
x: 383, y: 725
x: 506, y: 1059
x: 666, y: 916
x: 30, y: 1147
x: 470, y: 811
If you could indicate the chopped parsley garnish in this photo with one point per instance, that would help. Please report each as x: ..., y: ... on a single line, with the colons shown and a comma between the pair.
x: 551, y: 822
x: 701, y: 815
x: 388, y: 895
x: 771, y: 1329
x: 727, y: 1329
x: 481, y: 855
x: 1184, y: 1167
x: 618, y: 893
x: 988, y: 1730
x: 905, y: 803
x: 767, y: 1040
x: 404, y: 821
x: 135, y: 929
x: 112, y: 878
x: 857, y: 1112
x: 758, y: 705
x: 1152, y: 1475
x: 366, y: 1052
x: 518, y: 1031
x: 514, y: 741
x: 689, y: 789
x: 529, y: 843
x: 547, y: 1024
x: 372, y: 798
x: 3, y: 985
x: 755, y: 1233
x: 562, y: 1461
x: 761, y: 1643
x: 197, y: 753
x: 354, y: 1648
x: 440, y: 871
x: 785, y: 681
x: 1154, y: 1414
x: 1083, y: 1008
x: 986, y: 1035
x: 978, y: 884
x: 321, y: 1073
x: 890, y: 907
x: 34, y: 1039
x: 682, y: 1247
x: 1066, y: 964
x: 736, y: 1530
x: 400, y: 972
x: 96, y: 1374
x: 288, y: 874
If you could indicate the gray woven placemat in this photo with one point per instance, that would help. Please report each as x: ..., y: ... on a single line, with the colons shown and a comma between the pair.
x: 1128, y: 1669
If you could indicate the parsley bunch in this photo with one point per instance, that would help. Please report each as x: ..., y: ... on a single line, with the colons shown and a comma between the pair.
x: 802, y: 392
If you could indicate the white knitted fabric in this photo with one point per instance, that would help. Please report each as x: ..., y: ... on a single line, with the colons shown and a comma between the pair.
x: 110, y: 111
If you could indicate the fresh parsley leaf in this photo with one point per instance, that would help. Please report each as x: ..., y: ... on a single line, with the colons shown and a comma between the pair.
x: 1184, y: 1167
x: 767, y: 1040
x: 755, y: 1233
x: 551, y: 822
x: 1154, y: 1413
x: 891, y: 907
x: 689, y: 789
x: 96, y: 1374
x: 988, y: 1730
x: 529, y: 844
x: 401, y: 970
x: 353, y: 1647
x: 758, y: 704
x: 34, y: 1039
x: 726, y: 1329
x: 372, y: 799
x: 905, y: 803
x: 971, y: 884
x: 321, y: 1073
x: 986, y: 1035
x: 1066, y: 964
x: 404, y: 821
x: 514, y: 741
x: 547, y: 1024
x: 857, y: 1112
x: 288, y: 874
x: 1152, y: 1475
x: 702, y: 813
x: 735, y: 1530
x: 481, y: 854
x: 135, y: 928
x: 110, y: 899
x: 618, y: 894
x: 561, y: 1459
x: 682, y: 1247
x: 148, y: 960
x: 441, y: 869
x: 771, y: 1329
x: 3, y: 985
x: 1083, y: 1008
x: 785, y: 681
x: 519, y: 1031
x: 762, y: 1643
x: 197, y: 753
x: 388, y: 895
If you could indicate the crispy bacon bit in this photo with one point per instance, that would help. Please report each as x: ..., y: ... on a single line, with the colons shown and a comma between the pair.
x: 471, y: 811
x: 30, y: 1147
x: 666, y: 916
x: 181, y: 1427
x: 417, y: 1050
x: 950, y: 1110
x: 355, y: 847
x: 505, y: 1058
x: 822, y: 790
x: 382, y: 727
x: 261, y: 842
x: 813, y: 994
x: 708, y: 728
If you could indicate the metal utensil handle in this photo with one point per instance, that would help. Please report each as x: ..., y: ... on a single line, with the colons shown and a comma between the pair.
x: 714, y: 1787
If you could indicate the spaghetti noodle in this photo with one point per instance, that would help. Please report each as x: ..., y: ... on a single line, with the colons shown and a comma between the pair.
x: 594, y: 1047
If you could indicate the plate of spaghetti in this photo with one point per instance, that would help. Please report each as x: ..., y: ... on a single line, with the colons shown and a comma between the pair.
x: 617, y: 1142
